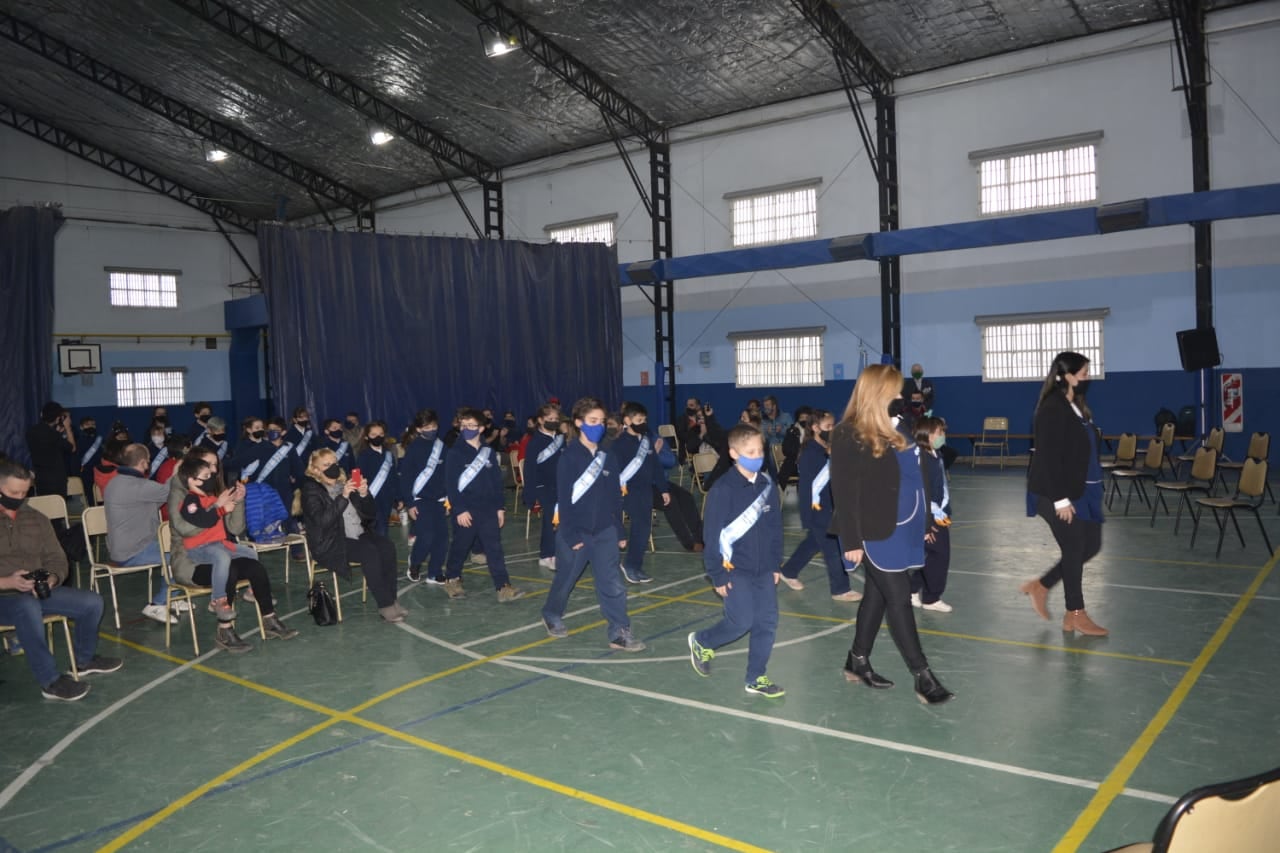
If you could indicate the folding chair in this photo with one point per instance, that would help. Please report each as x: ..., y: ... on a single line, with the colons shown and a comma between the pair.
x: 54, y: 508
x: 75, y: 489
x: 188, y: 593
x: 1150, y: 470
x: 1166, y: 437
x: 517, y: 477
x: 1201, y: 480
x: 94, y: 523
x: 49, y: 621
x: 1126, y: 453
x: 1213, y: 441
x: 995, y: 434
x: 1248, y: 496
x: 286, y: 544
x: 703, y: 464
x: 1259, y: 448
x: 315, y: 568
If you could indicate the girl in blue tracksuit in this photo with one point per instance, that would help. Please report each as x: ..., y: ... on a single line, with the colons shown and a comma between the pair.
x: 377, y: 464
x: 541, y: 459
x: 422, y: 490
x: 251, y: 451
x: 928, y: 583
x: 815, y: 511
x: 640, y: 473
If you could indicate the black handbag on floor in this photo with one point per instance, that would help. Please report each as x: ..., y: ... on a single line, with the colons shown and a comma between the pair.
x: 321, y: 604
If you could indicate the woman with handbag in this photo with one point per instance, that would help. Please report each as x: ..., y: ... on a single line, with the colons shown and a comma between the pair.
x: 339, y: 518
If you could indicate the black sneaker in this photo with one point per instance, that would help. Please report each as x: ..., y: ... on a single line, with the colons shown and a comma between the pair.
x: 699, y: 656
x: 626, y: 643
x: 762, y: 686
x: 98, y: 664
x: 66, y: 688
x: 555, y: 629
x: 414, y: 573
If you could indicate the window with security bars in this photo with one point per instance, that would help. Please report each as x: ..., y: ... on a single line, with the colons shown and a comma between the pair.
x: 1022, y: 348
x: 1039, y: 180
x: 596, y: 231
x: 151, y: 387
x: 143, y: 288
x: 776, y: 216
x: 778, y: 359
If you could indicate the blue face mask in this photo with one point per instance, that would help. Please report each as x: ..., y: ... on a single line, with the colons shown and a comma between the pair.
x: 752, y: 464
x: 468, y: 434
x: 273, y: 435
x: 593, y: 432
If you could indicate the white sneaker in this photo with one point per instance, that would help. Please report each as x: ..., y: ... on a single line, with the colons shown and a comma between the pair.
x: 915, y: 600
x: 547, y: 563
x: 940, y: 606
x: 794, y: 583
x: 181, y: 606
x: 159, y: 613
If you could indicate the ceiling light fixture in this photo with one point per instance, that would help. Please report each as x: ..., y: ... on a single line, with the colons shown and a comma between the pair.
x: 378, y: 136
x: 496, y: 43
x: 216, y: 155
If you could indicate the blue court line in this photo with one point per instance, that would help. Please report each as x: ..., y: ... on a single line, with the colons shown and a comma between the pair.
x: 307, y: 759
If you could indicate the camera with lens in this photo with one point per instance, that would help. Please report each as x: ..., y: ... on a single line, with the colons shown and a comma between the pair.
x: 41, y: 579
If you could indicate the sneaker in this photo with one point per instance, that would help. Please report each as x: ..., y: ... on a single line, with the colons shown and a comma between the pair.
x: 794, y: 583
x: 938, y: 606
x: 764, y: 687
x: 479, y: 559
x: 391, y: 613
x: 915, y: 600
x: 413, y: 573
x: 453, y: 586
x: 159, y: 613
x: 430, y: 581
x: 222, y: 608
x: 99, y: 664
x: 228, y: 640
x: 555, y: 629
x: 274, y: 629
x: 626, y: 643
x: 509, y: 593
x: 65, y: 688
x: 848, y: 595
x: 180, y: 606
x: 548, y: 563
x: 699, y: 656
x: 635, y: 575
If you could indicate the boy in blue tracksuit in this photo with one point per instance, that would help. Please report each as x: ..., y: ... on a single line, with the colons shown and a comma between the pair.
x: 641, y: 472
x: 279, y: 468
x: 815, y: 511
x: 743, y: 528
x: 422, y: 490
x: 88, y: 453
x: 377, y: 464
x: 589, y: 515
x: 541, y: 459
x: 477, y: 500
x: 302, y: 438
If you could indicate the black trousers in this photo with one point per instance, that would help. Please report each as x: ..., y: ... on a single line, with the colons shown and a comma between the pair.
x: 682, y: 515
x: 242, y: 569
x: 887, y: 595
x: 1079, y: 542
x: 376, y: 555
x: 931, y: 580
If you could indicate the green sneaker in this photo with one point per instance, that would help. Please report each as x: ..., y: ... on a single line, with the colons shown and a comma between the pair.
x: 766, y: 688
x: 699, y: 656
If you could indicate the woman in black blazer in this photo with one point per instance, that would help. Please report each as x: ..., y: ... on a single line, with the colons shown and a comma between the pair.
x: 1065, y: 481
x: 880, y: 511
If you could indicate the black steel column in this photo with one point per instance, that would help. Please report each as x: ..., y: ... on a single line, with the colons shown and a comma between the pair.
x: 1193, y: 56
x: 493, y: 227
x: 890, y: 268
x: 664, y: 316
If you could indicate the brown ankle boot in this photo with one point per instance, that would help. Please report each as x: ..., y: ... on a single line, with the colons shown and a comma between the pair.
x: 1039, y: 597
x: 1079, y: 621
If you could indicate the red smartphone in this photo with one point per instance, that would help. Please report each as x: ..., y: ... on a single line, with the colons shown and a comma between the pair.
x: 356, y: 477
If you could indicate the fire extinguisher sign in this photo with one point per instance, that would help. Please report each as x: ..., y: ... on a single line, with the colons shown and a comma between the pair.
x: 1233, y: 402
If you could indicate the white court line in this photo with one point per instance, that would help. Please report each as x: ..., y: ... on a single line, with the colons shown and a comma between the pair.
x: 807, y: 728
x: 617, y: 659
x: 1108, y: 584
x: 24, y: 778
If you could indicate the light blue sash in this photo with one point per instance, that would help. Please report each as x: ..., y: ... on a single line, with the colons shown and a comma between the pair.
x: 820, y: 483
x: 93, y: 448
x: 473, y: 470
x: 383, y: 473
x: 425, y: 476
x: 159, y: 460
x: 274, y: 462
x: 634, y: 465
x: 551, y: 449
x: 736, y: 529
x: 304, y: 442
x: 342, y: 450
x: 588, y: 477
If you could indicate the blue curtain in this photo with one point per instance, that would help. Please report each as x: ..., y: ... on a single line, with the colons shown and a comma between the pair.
x: 26, y: 323
x: 385, y: 325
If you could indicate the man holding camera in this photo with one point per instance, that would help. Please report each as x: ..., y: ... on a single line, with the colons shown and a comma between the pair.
x: 33, y: 568
x: 50, y: 442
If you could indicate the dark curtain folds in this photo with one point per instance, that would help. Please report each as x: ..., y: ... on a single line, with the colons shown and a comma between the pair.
x: 26, y: 321
x: 385, y: 325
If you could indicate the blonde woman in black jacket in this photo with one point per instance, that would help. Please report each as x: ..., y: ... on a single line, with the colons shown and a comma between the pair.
x: 1066, y: 482
x: 881, y: 513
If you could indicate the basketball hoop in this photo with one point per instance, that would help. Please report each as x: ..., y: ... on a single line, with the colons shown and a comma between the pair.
x: 86, y: 375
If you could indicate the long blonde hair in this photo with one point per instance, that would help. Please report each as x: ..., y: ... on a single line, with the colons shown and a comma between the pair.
x: 321, y: 459
x: 868, y: 409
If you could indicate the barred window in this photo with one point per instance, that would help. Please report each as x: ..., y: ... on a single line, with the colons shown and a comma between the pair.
x: 586, y: 231
x: 143, y: 288
x: 150, y: 386
x: 774, y: 215
x: 1018, y: 347
x: 1038, y: 176
x: 778, y: 358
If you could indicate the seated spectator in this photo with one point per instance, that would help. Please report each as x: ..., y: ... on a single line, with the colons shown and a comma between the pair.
x: 108, y: 464
x: 131, y: 502
x: 773, y: 421
x: 339, y: 519
x: 791, y: 447
x: 333, y: 438
x: 203, y: 414
x: 31, y: 546
x: 88, y: 451
x: 176, y: 447
x: 682, y: 510
x: 353, y: 430
x: 215, y: 437
x: 204, y: 517
x: 917, y: 384
x: 158, y: 447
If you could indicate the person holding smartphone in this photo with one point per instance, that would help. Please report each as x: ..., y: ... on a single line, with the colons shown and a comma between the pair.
x: 49, y: 443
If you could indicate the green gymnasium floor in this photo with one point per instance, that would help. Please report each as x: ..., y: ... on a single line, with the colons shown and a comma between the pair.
x: 468, y: 729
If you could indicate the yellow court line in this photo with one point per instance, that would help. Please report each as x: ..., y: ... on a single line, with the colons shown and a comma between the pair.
x: 1116, y: 780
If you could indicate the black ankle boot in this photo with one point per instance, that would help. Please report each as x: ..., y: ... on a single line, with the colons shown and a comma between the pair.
x: 859, y: 669
x: 929, y: 690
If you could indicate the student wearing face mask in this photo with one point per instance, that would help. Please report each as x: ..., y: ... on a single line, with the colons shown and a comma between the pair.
x: 477, y: 501
x: 422, y: 490
x: 88, y: 451
x: 157, y: 448
x: 160, y: 415
x: 377, y: 464
x: 279, y: 468
x: 814, y: 495
x: 928, y: 584
x: 202, y: 413
x: 250, y: 453
x: 541, y: 459
x: 333, y: 438
x: 302, y: 438
x: 352, y: 430
x: 215, y: 438
x: 612, y: 429
x: 641, y: 472
x: 917, y: 384
x: 880, y: 513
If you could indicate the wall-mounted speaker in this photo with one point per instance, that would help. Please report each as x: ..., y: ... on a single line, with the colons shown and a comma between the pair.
x: 1198, y: 349
x: 1122, y: 216
x: 853, y: 247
